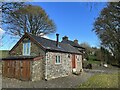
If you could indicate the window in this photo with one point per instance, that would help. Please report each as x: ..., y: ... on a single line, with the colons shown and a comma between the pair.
x: 58, y: 60
x: 26, y: 48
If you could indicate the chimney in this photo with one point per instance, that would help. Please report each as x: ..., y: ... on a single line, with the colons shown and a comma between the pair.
x: 57, y: 41
x: 76, y: 41
x: 65, y: 38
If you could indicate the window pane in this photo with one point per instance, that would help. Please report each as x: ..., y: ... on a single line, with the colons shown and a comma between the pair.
x: 26, y: 48
x: 56, y: 59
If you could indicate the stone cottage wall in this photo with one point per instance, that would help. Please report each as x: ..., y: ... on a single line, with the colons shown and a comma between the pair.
x: 41, y: 70
x: 38, y: 69
x: 35, y: 50
x: 64, y: 68
x: 78, y: 62
x: 58, y: 70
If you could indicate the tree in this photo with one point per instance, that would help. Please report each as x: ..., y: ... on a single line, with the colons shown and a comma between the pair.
x: 104, y: 54
x: 8, y: 7
x: 28, y: 18
x: 87, y: 49
x: 107, y: 27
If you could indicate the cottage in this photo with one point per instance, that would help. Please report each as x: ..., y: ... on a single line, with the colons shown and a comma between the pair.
x: 36, y: 58
x: 73, y: 43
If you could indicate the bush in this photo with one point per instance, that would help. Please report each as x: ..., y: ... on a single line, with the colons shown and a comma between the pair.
x: 89, y: 66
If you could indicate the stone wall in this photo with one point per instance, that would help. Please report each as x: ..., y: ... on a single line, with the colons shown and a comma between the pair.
x: 78, y: 62
x: 17, y: 51
x: 64, y: 68
x: 35, y: 50
x: 38, y: 69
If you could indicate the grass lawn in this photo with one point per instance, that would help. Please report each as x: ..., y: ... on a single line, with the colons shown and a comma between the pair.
x: 93, y: 62
x: 102, y: 81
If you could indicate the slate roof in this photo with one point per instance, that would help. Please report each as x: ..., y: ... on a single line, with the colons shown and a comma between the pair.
x: 72, y: 43
x: 51, y: 45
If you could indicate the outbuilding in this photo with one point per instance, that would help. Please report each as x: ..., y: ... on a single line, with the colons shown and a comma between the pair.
x: 36, y: 58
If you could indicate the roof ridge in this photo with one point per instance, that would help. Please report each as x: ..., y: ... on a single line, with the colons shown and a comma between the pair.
x: 46, y: 38
x: 49, y: 44
x: 41, y: 37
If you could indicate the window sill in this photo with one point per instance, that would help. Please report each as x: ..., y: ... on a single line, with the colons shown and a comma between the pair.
x: 57, y: 63
x: 26, y: 55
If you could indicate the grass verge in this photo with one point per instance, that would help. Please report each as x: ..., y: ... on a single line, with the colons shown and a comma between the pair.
x: 102, y: 81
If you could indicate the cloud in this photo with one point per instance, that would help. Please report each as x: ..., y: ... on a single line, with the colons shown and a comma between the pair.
x: 46, y: 37
x: 1, y: 32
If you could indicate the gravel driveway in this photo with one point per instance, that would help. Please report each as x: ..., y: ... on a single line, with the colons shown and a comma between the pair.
x: 71, y: 81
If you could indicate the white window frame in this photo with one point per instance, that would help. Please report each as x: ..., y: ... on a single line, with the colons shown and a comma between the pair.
x: 29, y: 49
x: 56, y: 59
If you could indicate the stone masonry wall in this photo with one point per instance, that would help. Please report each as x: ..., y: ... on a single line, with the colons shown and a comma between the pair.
x: 35, y: 50
x: 64, y: 68
x: 78, y: 62
x: 38, y: 69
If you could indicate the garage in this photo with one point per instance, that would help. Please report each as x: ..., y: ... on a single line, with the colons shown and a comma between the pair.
x: 17, y: 67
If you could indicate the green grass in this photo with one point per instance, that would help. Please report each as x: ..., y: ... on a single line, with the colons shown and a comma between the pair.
x: 93, y: 62
x: 102, y: 81
x: 4, y: 53
x: 92, y: 57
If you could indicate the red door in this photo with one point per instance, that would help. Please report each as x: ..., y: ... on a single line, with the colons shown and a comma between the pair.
x: 73, y: 61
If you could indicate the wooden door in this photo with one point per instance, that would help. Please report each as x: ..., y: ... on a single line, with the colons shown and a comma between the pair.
x: 5, y: 68
x: 17, y: 69
x: 73, y: 61
x: 11, y: 68
x: 25, y: 70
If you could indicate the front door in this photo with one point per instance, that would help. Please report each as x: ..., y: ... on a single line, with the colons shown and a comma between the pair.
x: 73, y: 61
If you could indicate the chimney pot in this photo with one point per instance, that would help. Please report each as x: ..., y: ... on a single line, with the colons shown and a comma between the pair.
x: 65, y: 38
x: 76, y: 41
x: 57, y: 41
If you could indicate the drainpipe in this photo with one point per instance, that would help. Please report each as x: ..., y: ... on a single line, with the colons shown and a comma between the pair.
x: 46, y: 67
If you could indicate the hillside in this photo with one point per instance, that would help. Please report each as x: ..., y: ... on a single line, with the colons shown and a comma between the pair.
x: 4, y: 53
